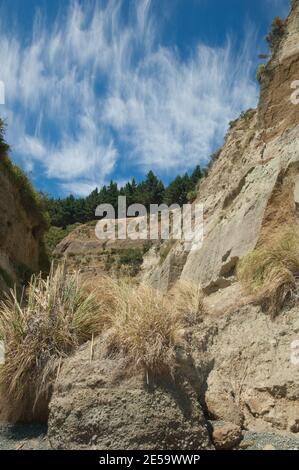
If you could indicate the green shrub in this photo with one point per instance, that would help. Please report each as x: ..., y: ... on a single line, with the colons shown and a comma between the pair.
x: 133, y: 258
x: 110, y: 260
x: 55, y: 235
x: 248, y: 115
x: 276, y: 34
x: 245, y: 115
x: 213, y: 158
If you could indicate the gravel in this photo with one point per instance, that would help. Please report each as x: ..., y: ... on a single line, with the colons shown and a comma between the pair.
x: 269, y: 441
x: 23, y: 437
x: 34, y: 437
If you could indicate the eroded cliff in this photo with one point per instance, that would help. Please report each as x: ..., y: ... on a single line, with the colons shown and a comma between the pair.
x: 258, y: 162
x: 22, y: 226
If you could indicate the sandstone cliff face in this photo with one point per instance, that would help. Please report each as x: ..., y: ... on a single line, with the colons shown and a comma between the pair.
x: 276, y: 114
x: 21, y: 233
x: 82, y: 250
x: 254, y: 378
x: 259, y: 159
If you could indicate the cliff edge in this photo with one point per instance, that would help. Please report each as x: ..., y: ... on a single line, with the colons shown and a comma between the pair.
x: 22, y: 225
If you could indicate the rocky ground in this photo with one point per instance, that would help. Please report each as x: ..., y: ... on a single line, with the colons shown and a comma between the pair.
x: 33, y: 437
x: 23, y: 437
x: 269, y: 441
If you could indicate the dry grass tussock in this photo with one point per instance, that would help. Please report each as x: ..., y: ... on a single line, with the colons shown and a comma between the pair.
x: 60, y: 313
x: 271, y: 272
x: 54, y: 318
x: 147, y: 326
x: 187, y: 299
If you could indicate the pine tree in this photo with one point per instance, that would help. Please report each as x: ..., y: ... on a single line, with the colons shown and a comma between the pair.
x: 177, y: 191
x: 151, y: 191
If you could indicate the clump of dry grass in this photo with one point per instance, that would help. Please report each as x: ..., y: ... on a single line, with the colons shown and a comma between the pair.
x: 147, y: 326
x: 139, y: 323
x: 187, y: 299
x: 270, y: 273
x: 144, y: 328
x: 56, y: 316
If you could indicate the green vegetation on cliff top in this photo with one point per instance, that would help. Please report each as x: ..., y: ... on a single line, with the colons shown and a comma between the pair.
x: 30, y: 199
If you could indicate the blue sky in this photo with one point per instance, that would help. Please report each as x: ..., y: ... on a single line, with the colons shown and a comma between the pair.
x: 102, y: 89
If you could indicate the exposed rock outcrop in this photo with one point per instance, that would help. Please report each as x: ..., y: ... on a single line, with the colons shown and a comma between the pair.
x: 21, y: 231
x: 95, y: 406
x: 226, y: 436
x: 276, y: 112
x: 254, y: 381
x: 81, y: 249
x: 251, y: 190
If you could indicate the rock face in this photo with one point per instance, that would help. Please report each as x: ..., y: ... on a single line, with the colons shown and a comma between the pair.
x: 254, y: 380
x: 94, y: 407
x: 21, y: 233
x: 258, y: 162
x: 81, y: 249
x: 276, y: 112
x: 226, y: 436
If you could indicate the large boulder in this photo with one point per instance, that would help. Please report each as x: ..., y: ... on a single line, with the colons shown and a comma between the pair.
x: 254, y: 380
x: 226, y: 436
x: 96, y: 406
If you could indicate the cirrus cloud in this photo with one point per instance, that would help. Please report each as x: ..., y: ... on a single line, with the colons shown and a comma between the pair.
x: 94, y: 93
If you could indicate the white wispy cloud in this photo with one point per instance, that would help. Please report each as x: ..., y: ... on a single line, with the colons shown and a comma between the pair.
x: 92, y: 91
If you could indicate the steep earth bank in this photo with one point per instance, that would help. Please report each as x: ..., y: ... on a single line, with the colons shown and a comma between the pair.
x: 22, y: 227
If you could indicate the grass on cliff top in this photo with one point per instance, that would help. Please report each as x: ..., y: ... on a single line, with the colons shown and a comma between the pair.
x: 270, y: 273
x: 61, y: 312
x: 29, y: 198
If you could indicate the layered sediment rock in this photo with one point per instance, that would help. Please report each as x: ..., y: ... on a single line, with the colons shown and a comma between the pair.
x: 21, y: 233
